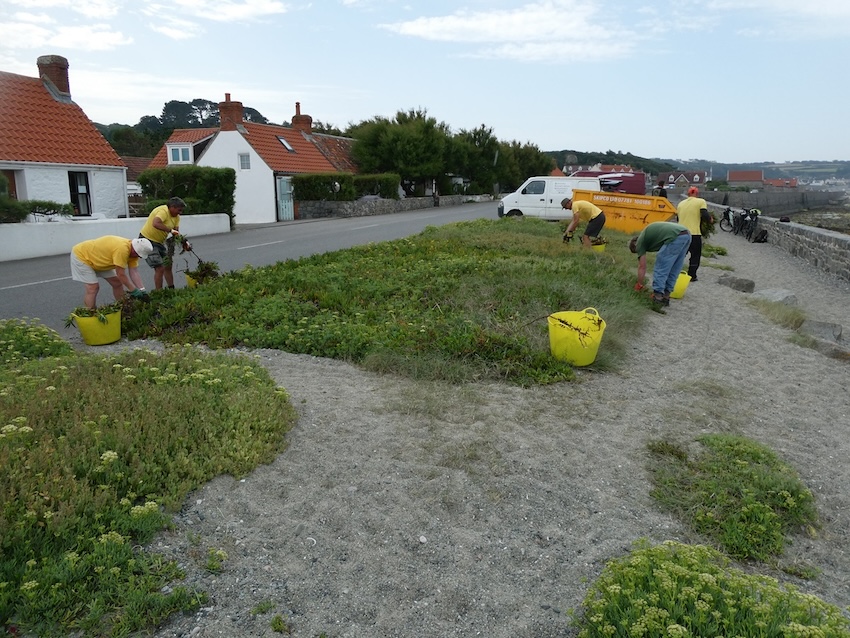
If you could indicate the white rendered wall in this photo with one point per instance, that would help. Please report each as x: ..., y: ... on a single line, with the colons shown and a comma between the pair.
x: 254, y: 197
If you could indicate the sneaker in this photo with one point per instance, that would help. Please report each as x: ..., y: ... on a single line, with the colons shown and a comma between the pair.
x: 693, y: 279
x: 656, y: 298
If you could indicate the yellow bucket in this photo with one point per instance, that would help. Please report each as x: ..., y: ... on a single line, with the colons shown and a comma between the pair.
x: 598, y: 247
x: 191, y: 282
x: 97, y: 333
x: 574, y: 336
x: 681, y: 285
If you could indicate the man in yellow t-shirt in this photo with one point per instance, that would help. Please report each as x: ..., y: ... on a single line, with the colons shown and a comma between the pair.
x: 112, y: 258
x: 690, y: 212
x: 163, y: 223
x: 584, y: 211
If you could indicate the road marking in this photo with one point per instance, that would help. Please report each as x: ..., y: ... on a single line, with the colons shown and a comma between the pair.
x: 34, y: 283
x: 271, y: 243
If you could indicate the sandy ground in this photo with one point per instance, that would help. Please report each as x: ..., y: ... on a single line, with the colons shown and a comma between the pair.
x: 424, y: 510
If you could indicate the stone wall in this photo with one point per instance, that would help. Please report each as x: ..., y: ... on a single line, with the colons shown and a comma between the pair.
x: 775, y: 202
x: 377, y: 206
x: 827, y: 250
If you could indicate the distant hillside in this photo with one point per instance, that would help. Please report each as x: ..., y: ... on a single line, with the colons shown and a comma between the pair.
x: 805, y: 170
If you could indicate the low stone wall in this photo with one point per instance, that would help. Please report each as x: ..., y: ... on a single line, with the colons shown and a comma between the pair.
x: 827, y: 250
x: 377, y: 206
x: 774, y: 202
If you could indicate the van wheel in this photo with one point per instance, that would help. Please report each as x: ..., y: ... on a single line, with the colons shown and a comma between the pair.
x: 514, y: 213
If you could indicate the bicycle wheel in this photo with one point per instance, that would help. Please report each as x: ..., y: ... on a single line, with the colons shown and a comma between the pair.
x: 725, y: 225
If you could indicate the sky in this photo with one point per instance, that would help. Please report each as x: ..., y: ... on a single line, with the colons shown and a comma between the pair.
x: 730, y: 81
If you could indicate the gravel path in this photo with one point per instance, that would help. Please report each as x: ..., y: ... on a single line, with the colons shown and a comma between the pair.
x: 425, y: 510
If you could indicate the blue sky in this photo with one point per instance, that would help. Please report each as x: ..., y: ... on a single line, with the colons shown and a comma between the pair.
x: 728, y: 81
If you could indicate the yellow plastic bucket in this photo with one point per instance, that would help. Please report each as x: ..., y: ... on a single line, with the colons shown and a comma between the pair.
x: 681, y: 285
x: 191, y: 282
x: 574, y: 336
x: 96, y: 332
x: 598, y: 247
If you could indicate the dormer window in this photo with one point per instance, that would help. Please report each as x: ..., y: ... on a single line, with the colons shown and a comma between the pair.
x: 180, y: 155
x: 286, y: 144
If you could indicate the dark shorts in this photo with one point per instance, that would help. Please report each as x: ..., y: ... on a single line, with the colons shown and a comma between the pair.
x: 594, y: 226
x: 157, y: 258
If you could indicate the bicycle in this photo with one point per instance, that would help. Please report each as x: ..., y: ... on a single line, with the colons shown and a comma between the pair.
x: 727, y: 220
x: 749, y: 221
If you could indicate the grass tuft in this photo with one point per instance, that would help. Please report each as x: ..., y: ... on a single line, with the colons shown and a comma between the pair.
x: 736, y: 491
x: 94, y: 452
x: 676, y: 590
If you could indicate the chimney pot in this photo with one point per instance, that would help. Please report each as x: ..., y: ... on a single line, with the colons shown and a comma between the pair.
x: 55, y: 69
x: 302, y: 122
x: 230, y: 113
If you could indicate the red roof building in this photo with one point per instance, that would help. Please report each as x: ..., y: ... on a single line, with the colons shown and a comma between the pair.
x: 265, y: 156
x: 50, y: 149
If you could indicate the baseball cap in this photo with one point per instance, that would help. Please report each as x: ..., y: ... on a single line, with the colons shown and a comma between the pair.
x: 142, y: 246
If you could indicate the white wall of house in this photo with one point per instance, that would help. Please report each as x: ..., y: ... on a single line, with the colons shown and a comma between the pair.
x: 255, y: 196
x: 107, y: 185
x: 109, y: 192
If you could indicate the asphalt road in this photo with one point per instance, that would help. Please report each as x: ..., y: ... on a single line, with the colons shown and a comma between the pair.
x: 42, y: 288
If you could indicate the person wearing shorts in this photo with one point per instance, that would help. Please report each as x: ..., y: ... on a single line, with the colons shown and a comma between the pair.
x: 584, y: 211
x: 112, y: 258
x: 163, y: 223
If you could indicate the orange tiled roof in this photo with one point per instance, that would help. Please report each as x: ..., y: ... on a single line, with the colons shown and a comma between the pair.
x: 135, y: 165
x: 744, y: 176
x: 337, y: 150
x: 306, y: 158
x: 315, y: 153
x: 35, y: 127
x: 185, y: 135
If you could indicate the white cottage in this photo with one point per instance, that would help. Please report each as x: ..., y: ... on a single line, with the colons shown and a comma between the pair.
x: 264, y: 156
x: 50, y: 149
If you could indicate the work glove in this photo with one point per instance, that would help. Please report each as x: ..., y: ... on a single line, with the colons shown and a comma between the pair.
x: 187, y: 247
x: 138, y: 293
x: 638, y: 286
x: 174, y: 232
x: 568, y: 236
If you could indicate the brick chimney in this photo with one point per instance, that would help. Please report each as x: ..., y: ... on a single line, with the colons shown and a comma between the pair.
x: 230, y: 113
x: 302, y: 122
x: 54, y: 68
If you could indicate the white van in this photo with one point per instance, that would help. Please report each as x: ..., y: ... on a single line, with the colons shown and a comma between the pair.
x: 541, y: 196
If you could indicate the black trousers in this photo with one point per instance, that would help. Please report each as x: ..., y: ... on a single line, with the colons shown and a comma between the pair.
x: 696, y: 254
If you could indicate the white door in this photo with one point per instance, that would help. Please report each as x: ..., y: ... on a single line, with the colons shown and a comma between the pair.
x: 285, y: 205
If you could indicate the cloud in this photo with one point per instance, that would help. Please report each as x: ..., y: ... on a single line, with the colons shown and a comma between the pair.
x: 23, y: 35
x: 550, y: 29
x: 89, y: 37
x: 229, y: 10
x: 100, y: 9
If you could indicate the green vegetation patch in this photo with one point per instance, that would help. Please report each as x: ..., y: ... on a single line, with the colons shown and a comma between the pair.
x: 94, y: 451
x: 460, y: 302
x: 735, y: 491
x: 676, y: 590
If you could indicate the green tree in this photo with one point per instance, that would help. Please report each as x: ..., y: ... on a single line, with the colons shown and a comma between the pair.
x: 177, y: 114
x: 482, y: 158
x: 412, y: 145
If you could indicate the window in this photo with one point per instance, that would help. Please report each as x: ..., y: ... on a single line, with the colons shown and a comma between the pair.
x: 244, y: 161
x: 535, y: 188
x: 180, y: 155
x: 286, y: 144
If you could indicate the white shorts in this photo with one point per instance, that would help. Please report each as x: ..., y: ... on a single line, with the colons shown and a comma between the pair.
x: 81, y: 271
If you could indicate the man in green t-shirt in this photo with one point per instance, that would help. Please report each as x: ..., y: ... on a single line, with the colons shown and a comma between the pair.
x: 671, y: 242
